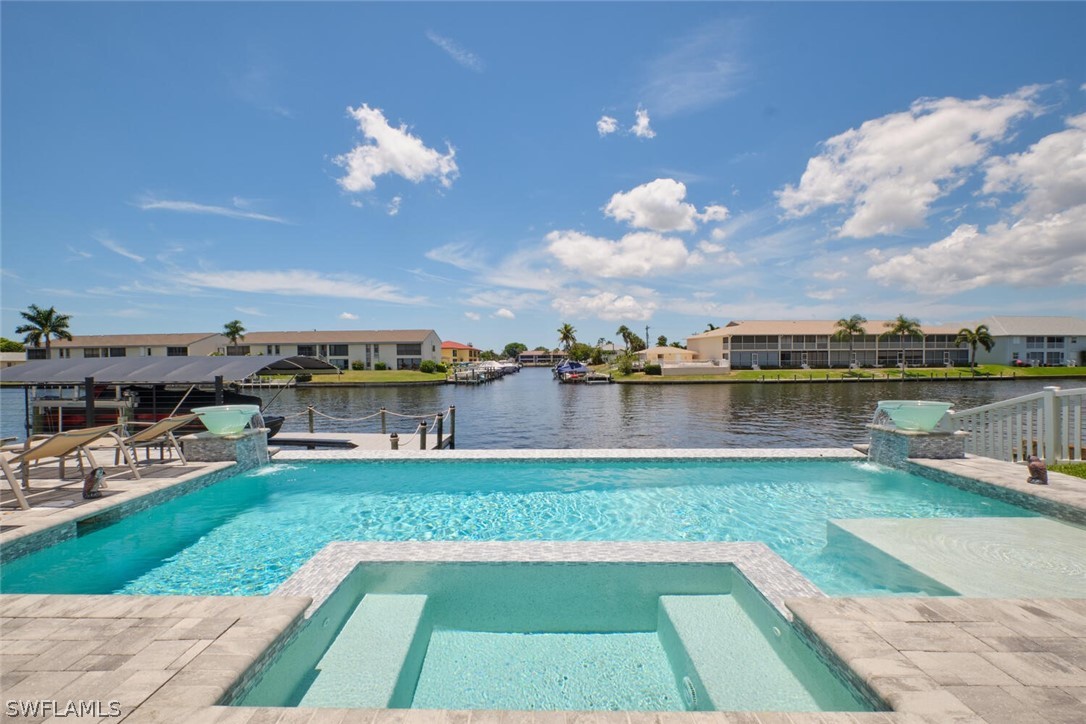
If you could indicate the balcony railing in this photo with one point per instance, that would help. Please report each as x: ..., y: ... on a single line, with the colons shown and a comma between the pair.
x: 1048, y: 424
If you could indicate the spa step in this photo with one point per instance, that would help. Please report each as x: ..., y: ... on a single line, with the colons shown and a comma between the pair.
x: 709, y: 639
x: 375, y: 660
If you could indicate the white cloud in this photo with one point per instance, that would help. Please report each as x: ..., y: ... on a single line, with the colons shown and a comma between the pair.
x: 641, y: 127
x: 473, y: 316
x: 505, y: 314
x: 718, y: 234
x: 826, y: 295
x: 391, y: 150
x: 702, y: 69
x: 348, y: 316
x: 394, y: 205
x: 298, y: 282
x: 714, y: 213
x: 252, y: 311
x: 1029, y: 253
x: 116, y: 248
x: 458, y: 254
x: 1051, y: 173
x: 657, y: 205
x: 637, y: 254
x: 606, y: 125
x: 504, y: 299
x: 890, y: 170
x: 607, y: 306
x: 191, y: 207
x: 461, y: 55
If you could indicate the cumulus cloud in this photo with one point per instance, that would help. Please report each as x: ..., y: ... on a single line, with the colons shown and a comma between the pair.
x: 1041, y: 246
x: 473, y: 316
x: 1051, y: 173
x: 391, y: 150
x: 505, y: 314
x: 348, y: 316
x: 297, y: 282
x: 606, y: 125
x: 637, y: 254
x: 607, y: 306
x: 461, y: 55
x: 890, y: 170
x: 660, y: 205
x: 641, y: 127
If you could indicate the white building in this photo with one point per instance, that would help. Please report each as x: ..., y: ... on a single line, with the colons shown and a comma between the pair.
x: 1035, y: 340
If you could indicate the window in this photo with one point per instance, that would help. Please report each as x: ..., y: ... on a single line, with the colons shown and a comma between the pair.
x: 64, y: 353
x: 337, y: 350
x: 35, y: 353
x: 177, y: 351
x: 273, y: 349
x: 116, y: 351
x: 92, y: 352
x: 405, y: 350
x: 307, y: 350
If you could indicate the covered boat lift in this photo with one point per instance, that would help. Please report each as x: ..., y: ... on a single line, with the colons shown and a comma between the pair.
x: 120, y: 372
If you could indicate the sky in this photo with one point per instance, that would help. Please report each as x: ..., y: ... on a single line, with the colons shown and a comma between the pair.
x: 493, y: 171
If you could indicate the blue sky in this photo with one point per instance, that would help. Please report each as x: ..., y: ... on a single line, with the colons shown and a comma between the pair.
x: 494, y: 170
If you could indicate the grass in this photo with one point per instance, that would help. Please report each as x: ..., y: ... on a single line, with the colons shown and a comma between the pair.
x: 1076, y: 469
x: 886, y: 373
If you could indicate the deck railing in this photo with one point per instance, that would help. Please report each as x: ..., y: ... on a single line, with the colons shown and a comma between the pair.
x: 1047, y: 424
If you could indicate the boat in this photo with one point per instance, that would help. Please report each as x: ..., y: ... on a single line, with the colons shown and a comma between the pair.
x: 571, y: 371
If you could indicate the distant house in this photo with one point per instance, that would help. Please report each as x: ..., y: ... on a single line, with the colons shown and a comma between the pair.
x: 399, y: 349
x: 1035, y: 340
x: 10, y: 359
x: 540, y: 358
x: 665, y: 355
x: 795, y: 344
x: 86, y: 346
x: 453, y: 353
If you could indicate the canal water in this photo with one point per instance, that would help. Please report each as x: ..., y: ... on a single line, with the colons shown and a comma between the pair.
x: 530, y: 410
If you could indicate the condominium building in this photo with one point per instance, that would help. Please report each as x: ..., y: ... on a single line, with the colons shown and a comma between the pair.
x: 454, y: 353
x: 85, y: 346
x: 1052, y: 341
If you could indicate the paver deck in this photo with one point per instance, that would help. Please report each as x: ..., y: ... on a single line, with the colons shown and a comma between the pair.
x: 988, y: 557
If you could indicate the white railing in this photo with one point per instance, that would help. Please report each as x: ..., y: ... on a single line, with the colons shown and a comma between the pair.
x: 1047, y: 424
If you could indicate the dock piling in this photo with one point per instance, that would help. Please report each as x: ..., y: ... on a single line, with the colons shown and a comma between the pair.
x: 394, y: 439
x: 422, y: 434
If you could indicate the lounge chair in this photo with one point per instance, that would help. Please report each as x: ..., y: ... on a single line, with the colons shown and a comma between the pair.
x: 9, y: 475
x: 60, y: 446
x: 155, y: 433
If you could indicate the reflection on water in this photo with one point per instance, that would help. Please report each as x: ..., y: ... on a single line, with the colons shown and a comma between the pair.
x: 531, y: 410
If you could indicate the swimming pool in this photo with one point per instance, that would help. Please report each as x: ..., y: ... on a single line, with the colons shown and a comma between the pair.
x: 247, y: 534
x: 548, y: 636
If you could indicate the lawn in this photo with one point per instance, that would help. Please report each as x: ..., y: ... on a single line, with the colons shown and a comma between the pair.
x: 1069, y: 468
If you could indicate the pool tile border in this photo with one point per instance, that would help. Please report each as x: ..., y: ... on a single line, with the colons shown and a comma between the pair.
x: 804, y: 453
x: 773, y: 577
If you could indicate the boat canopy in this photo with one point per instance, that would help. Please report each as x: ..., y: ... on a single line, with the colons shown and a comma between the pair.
x: 160, y: 370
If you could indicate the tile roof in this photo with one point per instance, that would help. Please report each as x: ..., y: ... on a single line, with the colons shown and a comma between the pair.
x: 1001, y: 326
x: 456, y: 345
x: 346, y: 336
x: 181, y: 339
x: 810, y: 326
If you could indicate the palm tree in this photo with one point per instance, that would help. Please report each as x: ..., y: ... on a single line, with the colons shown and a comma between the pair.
x: 903, y: 327
x: 711, y: 327
x: 974, y: 337
x: 849, y: 328
x: 661, y: 341
x: 567, y: 336
x: 625, y: 333
x: 43, y: 324
x: 234, y: 331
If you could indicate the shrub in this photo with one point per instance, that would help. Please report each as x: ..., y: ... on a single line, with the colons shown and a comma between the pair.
x: 651, y: 369
x: 380, y: 366
x: 441, y: 368
x: 357, y: 365
x: 303, y: 377
x: 428, y: 366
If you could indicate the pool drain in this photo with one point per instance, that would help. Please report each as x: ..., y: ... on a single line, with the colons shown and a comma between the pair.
x: 690, y: 693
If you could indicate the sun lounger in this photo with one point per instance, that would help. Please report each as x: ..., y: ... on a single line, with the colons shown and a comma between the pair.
x: 62, y: 445
x: 156, y: 434
x: 17, y: 489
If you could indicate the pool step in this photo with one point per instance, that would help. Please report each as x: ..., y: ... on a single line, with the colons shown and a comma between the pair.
x: 375, y: 660
x: 708, y: 640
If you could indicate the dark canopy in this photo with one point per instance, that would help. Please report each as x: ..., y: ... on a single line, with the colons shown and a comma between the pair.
x: 159, y: 370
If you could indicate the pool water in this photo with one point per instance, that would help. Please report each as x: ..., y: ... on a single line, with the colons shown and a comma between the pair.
x: 549, y: 636
x: 246, y: 535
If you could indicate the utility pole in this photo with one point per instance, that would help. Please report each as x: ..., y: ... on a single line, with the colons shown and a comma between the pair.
x: 647, y: 336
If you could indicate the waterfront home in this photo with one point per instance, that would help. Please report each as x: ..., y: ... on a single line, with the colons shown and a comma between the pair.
x: 665, y: 355
x: 88, y: 346
x: 454, y: 353
x: 10, y: 359
x: 398, y: 349
x: 540, y: 358
x: 1035, y: 341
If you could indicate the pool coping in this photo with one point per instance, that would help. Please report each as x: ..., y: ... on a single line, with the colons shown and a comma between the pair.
x: 769, y: 574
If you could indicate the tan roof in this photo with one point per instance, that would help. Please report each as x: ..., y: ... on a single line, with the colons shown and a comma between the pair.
x: 810, y: 326
x: 449, y: 344
x: 666, y: 350
x: 346, y: 336
x: 1036, y: 326
x: 181, y: 339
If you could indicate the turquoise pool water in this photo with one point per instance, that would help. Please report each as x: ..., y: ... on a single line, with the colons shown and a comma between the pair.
x: 546, y: 636
x: 246, y: 535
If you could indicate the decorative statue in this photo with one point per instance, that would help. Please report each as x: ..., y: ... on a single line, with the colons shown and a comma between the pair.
x: 92, y: 483
x: 1038, y: 471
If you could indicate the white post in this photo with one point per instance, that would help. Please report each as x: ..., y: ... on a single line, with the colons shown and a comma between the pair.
x: 1051, y: 417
